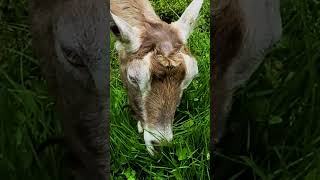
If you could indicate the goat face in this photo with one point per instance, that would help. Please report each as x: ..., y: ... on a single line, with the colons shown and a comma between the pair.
x: 156, y: 67
x: 70, y: 39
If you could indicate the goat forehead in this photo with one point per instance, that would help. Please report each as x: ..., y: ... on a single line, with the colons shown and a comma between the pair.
x: 166, y: 47
x: 162, y: 80
x: 161, y: 33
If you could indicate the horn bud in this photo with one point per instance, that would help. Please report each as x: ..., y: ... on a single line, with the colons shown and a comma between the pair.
x: 167, y: 62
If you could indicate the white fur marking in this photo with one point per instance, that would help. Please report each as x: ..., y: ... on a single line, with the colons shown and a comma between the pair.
x: 118, y: 46
x: 140, y: 129
x: 145, y: 91
x: 148, y: 142
x: 151, y: 134
x: 140, y: 70
x: 191, y: 70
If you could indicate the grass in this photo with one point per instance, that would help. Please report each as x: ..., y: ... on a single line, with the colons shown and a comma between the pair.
x: 186, y: 157
x: 26, y: 111
x: 280, y: 105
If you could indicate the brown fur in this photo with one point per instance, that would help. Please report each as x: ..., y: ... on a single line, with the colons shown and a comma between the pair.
x: 165, y: 92
x: 135, y: 12
x: 155, y: 34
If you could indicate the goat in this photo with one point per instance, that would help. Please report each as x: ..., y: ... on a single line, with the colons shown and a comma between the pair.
x: 70, y: 39
x: 156, y: 66
x: 244, y: 31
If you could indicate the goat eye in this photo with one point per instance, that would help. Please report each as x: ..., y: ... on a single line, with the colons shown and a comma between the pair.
x: 73, y: 58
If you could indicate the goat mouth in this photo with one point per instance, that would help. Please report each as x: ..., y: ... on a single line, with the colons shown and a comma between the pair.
x: 156, y: 146
x: 152, y: 146
x: 154, y: 140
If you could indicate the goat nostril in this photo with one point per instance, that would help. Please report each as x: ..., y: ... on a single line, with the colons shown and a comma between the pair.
x: 156, y: 146
x: 155, y: 143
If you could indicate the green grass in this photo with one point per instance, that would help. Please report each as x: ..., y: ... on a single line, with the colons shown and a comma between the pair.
x: 281, y: 102
x: 186, y: 157
x: 26, y: 111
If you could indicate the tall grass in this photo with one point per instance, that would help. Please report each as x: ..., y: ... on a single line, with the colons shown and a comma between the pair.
x: 26, y: 110
x: 280, y: 105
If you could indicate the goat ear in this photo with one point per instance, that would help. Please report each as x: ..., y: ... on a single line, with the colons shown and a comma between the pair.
x: 126, y: 32
x: 186, y: 22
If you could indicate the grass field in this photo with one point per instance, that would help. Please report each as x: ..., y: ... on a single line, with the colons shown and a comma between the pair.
x: 186, y: 158
x: 281, y: 102
x: 279, y: 108
x: 26, y: 111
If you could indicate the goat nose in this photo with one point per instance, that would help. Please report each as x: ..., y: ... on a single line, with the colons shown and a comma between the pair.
x: 156, y: 145
x: 153, y: 139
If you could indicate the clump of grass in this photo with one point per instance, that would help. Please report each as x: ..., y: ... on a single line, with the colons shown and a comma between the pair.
x: 186, y: 157
x: 280, y: 105
x: 26, y: 111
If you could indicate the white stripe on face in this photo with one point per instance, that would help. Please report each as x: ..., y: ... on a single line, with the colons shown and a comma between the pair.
x: 191, y: 70
x: 139, y: 70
